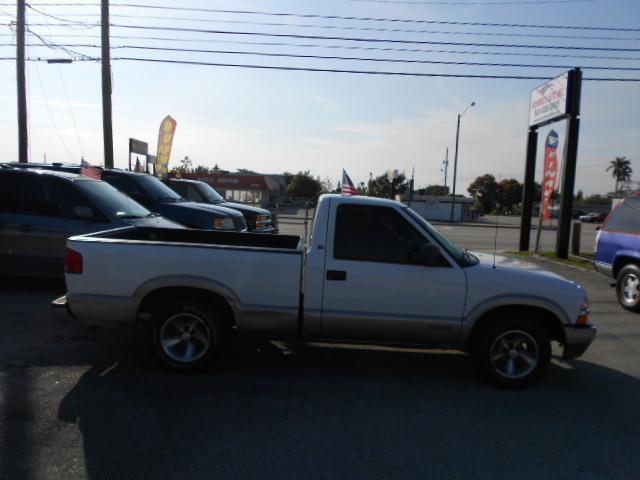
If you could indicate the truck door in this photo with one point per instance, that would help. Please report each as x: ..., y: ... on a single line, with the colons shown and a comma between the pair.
x: 372, y: 292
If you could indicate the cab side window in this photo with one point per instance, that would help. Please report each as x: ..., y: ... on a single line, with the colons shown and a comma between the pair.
x: 9, y: 193
x: 374, y: 234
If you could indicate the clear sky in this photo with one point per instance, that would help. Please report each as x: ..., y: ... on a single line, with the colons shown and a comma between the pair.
x: 272, y: 121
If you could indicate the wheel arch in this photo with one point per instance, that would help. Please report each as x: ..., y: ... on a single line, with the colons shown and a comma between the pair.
x: 547, y: 317
x: 621, y: 260
x: 169, y: 289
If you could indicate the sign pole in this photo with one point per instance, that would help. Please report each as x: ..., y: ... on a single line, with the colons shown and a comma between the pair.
x: 528, y: 190
x: 570, y: 161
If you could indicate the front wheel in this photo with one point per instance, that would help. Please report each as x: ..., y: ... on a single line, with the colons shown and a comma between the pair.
x: 628, y: 287
x: 185, y: 334
x: 513, y: 353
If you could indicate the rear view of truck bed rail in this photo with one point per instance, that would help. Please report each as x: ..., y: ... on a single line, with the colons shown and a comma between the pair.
x: 204, y: 237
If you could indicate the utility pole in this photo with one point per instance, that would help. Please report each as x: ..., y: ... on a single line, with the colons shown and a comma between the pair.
x: 23, y: 135
x: 446, y: 167
x: 455, y: 160
x: 107, y: 129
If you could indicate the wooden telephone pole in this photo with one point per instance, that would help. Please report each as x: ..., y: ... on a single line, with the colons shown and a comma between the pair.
x: 23, y: 135
x: 107, y: 129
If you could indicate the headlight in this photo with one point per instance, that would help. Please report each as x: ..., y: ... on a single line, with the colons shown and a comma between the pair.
x: 263, y: 221
x: 223, y: 224
x: 583, y: 313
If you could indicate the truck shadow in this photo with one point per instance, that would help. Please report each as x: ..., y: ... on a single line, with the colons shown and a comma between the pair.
x: 264, y: 412
x: 348, y: 413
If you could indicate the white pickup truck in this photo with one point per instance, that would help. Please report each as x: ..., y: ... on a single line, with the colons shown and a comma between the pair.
x: 373, y: 272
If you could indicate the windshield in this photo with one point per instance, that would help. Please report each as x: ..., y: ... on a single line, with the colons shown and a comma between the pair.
x: 209, y: 193
x: 157, y: 190
x: 457, y: 253
x: 111, y: 201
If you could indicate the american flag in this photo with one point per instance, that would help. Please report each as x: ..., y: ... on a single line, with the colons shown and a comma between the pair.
x: 89, y: 170
x: 347, y: 186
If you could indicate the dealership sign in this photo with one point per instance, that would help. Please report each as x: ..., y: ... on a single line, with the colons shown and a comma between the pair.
x: 549, y: 101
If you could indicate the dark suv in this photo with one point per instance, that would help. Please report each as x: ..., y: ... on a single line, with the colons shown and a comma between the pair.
x: 258, y: 219
x: 618, y: 251
x: 157, y: 197
x: 40, y: 209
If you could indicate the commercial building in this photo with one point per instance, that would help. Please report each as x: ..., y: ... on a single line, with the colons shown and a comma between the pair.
x: 262, y: 190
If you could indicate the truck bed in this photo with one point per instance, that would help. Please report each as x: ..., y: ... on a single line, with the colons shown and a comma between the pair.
x: 258, y: 274
x: 202, y: 237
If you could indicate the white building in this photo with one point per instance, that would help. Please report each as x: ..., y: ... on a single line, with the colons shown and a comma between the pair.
x: 439, y: 208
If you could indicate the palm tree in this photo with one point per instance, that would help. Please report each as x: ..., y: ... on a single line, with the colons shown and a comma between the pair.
x: 620, y: 170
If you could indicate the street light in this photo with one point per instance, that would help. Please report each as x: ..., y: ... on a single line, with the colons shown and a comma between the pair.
x: 455, y: 160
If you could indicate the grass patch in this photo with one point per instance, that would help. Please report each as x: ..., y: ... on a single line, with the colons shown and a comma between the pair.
x: 583, y: 261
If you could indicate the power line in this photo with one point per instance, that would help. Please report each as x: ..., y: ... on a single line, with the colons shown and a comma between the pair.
x: 335, y: 57
x: 362, y: 72
x: 346, y: 47
x: 374, y: 40
x: 53, y: 122
x: 349, y: 18
x: 476, y: 3
x: 66, y: 94
x: 334, y: 27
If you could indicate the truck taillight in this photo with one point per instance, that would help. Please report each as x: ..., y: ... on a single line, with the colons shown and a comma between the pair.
x: 72, y: 262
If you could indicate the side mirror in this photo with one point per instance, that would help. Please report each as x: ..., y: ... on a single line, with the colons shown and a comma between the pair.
x: 428, y: 255
x: 83, y: 213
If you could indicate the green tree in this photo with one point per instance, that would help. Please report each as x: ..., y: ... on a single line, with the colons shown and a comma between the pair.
x: 621, y: 171
x: 486, y: 191
x: 384, y: 188
x: 509, y: 194
x: 303, y: 185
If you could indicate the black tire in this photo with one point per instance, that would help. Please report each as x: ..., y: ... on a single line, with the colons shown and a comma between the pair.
x: 504, y: 349
x: 186, y: 334
x: 628, y: 287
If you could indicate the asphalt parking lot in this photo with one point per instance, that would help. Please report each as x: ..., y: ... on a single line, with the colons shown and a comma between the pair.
x: 77, y: 403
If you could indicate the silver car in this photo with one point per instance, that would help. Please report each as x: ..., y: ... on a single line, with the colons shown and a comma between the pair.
x: 40, y: 209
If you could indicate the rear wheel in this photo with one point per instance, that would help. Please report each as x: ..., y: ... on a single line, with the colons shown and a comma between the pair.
x: 186, y: 334
x: 512, y: 353
x: 628, y: 287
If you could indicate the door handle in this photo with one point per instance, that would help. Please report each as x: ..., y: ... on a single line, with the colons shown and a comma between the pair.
x: 337, y: 275
x: 26, y: 227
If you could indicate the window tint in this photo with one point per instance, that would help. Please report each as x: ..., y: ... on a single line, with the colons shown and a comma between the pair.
x: 625, y: 218
x: 9, y: 198
x: 376, y: 234
x: 51, y: 197
x: 179, y: 187
x: 193, y: 195
x: 123, y: 184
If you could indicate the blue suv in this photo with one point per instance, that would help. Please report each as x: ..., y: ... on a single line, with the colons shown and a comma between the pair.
x: 618, y: 251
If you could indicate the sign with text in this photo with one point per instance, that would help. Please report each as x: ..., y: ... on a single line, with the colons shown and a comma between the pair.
x: 165, y: 142
x: 138, y: 146
x: 549, y: 101
x: 550, y: 178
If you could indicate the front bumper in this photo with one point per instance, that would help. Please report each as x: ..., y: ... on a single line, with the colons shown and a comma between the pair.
x: 577, y: 339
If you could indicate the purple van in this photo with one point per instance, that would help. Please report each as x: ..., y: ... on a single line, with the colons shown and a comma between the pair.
x: 618, y: 251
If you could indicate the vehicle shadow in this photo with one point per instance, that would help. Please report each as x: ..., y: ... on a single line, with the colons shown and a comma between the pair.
x: 262, y: 412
